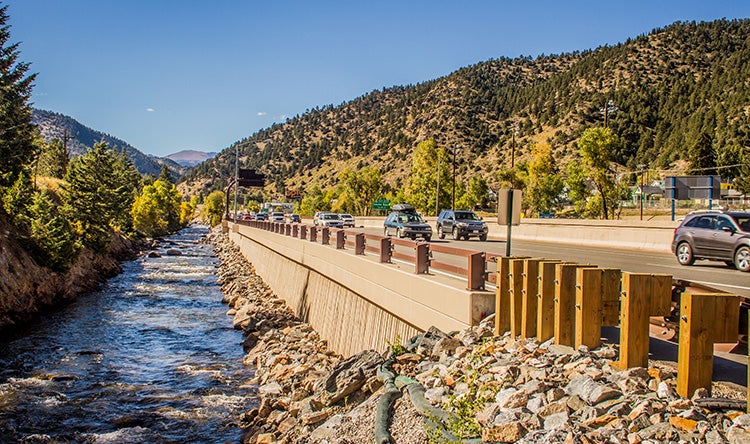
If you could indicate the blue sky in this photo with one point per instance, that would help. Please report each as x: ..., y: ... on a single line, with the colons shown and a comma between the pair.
x: 167, y: 75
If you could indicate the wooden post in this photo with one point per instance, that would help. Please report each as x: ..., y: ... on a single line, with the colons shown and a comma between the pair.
x: 611, y: 287
x: 545, y: 307
x: 422, y: 260
x: 295, y: 230
x: 476, y: 271
x: 502, y: 295
x: 565, y: 301
x: 588, y: 323
x: 325, y: 236
x: 515, y: 287
x: 385, y: 249
x: 340, y: 240
x: 704, y: 320
x: 359, y: 243
x: 530, y: 297
x: 303, y: 232
x: 313, y: 234
x: 643, y: 295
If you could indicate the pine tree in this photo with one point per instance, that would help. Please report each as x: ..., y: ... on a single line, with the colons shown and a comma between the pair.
x: 53, y: 160
x: 16, y: 130
x: 51, y: 233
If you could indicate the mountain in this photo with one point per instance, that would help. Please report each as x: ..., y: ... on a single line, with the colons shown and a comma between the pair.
x: 668, y: 89
x: 82, y: 138
x: 190, y: 158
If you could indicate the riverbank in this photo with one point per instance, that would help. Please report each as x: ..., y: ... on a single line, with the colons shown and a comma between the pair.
x: 27, y: 289
x: 475, y: 385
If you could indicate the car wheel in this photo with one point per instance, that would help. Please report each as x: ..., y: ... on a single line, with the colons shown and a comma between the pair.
x: 441, y: 235
x: 685, y: 254
x: 483, y: 237
x: 742, y: 259
x: 456, y: 235
x: 427, y: 238
x: 385, y: 232
x: 399, y: 234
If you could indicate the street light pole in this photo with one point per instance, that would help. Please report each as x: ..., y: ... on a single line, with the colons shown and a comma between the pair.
x: 513, y: 147
x: 641, y: 166
x: 453, y: 205
x: 437, y: 186
x: 236, y: 178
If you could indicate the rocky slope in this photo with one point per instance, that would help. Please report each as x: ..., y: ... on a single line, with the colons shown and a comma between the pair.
x: 469, y: 384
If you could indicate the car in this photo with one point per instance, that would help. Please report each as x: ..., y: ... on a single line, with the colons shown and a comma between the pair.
x: 247, y: 217
x: 261, y: 216
x: 404, y: 221
x: 347, y: 220
x: 316, y: 217
x: 278, y: 217
x: 714, y: 235
x: 294, y: 219
x: 461, y: 224
x: 330, y: 220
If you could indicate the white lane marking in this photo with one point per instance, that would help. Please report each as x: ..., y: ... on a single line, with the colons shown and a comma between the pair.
x: 721, y: 285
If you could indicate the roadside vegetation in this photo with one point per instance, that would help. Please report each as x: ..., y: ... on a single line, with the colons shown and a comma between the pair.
x: 55, y: 206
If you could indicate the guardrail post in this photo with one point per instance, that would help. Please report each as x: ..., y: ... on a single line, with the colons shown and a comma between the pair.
x: 295, y: 230
x: 385, y: 249
x: 545, y: 307
x: 303, y: 232
x: 704, y: 320
x: 529, y: 298
x: 340, y: 240
x: 565, y: 301
x: 643, y: 295
x: 422, y: 261
x: 359, y: 243
x: 313, y: 234
x: 288, y: 229
x: 476, y: 271
x: 502, y: 296
x: 325, y: 236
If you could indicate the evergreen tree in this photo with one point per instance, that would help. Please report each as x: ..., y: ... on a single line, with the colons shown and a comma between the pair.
x: 99, y: 193
x: 16, y: 131
x: 165, y: 175
x: 701, y: 156
x: 51, y: 232
x: 16, y: 200
x: 53, y: 160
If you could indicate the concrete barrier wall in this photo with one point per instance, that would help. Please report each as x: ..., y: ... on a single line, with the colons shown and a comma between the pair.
x: 354, y: 301
x: 630, y: 234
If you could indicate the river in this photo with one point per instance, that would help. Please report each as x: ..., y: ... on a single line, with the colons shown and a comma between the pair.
x: 151, y: 357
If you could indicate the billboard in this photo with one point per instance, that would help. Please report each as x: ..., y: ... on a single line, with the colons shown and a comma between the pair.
x: 692, y: 187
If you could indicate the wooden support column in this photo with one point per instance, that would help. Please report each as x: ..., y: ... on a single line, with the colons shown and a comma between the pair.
x: 594, y: 286
x: 476, y: 267
x: 704, y: 320
x: 340, y: 240
x: 545, y: 308
x: 565, y: 301
x: 422, y: 260
x: 515, y: 287
x: 530, y: 298
x: 303, y: 232
x: 643, y: 295
x: 502, y: 295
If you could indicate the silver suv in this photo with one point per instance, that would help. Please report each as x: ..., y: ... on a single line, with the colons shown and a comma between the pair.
x: 714, y: 235
x: 461, y: 224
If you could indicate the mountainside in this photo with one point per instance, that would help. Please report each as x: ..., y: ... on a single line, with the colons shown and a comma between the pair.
x: 667, y: 90
x: 190, y: 158
x: 82, y: 138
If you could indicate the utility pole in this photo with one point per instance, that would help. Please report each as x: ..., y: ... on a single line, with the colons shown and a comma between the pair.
x: 437, y: 186
x: 513, y: 147
x: 236, y: 177
x: 453, y: 205
x: 640, y: 167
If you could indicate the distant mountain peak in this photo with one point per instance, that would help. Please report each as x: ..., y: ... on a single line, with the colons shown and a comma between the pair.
x: 190, y: 157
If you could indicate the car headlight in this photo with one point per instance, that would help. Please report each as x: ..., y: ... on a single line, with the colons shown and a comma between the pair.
x: 462, y: 224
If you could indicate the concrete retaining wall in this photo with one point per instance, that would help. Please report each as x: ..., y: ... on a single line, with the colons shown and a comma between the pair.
x: 354, y: 301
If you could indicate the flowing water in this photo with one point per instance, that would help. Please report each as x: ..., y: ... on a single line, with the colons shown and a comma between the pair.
x: 152, y: 357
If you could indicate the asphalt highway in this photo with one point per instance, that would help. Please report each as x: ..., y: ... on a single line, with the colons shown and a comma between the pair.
x: 713, y: 274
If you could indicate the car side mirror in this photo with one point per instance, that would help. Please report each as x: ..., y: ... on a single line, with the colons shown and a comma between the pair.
x: 727, y: 229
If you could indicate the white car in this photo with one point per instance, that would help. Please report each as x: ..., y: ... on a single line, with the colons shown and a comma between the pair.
x: 278, y: 216
x: 347, y: 220
x: 330, y: 220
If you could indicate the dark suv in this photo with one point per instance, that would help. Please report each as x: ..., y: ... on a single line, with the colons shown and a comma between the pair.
x: 461, y: 224
x: 714, y: 235
x: 404, y: 221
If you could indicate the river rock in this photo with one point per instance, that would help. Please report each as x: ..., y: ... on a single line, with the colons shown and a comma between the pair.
x: 174, y: 252
x: 349, y: 375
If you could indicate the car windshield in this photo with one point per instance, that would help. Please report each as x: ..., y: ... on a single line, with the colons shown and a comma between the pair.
x: 409, y: 217
x: 743, y: 221
x: 466, y: 215
x: 330, y: 216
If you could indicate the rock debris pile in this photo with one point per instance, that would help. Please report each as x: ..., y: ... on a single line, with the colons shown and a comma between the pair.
x: 481, y: 388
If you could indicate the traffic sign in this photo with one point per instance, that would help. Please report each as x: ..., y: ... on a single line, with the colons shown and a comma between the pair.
x: 381, y: 204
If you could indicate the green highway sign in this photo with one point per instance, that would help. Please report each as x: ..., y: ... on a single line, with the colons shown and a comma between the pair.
x: 381, y: 204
